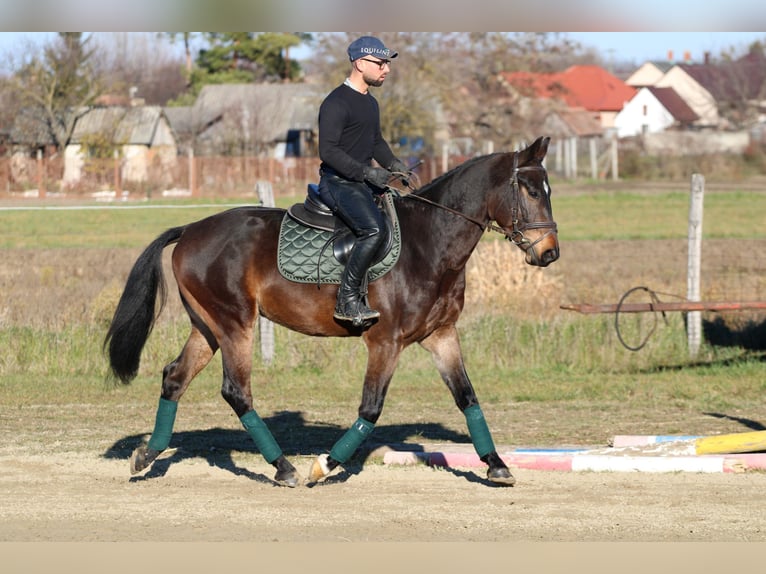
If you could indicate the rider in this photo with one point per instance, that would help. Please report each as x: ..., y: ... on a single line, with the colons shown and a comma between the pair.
x: 349, y: 139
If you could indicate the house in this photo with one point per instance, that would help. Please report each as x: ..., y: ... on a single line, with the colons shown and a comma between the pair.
x: 723, y: 95
x: 181, y: 122
x: 653, y: 110
x: 279, y: 120
x: 648, y: 74
x: 696, y: 84
x: 141, y: 136
x: 31, y: 132
x: 588, y: 87
x: 567, y: 127
x: 572, y: 123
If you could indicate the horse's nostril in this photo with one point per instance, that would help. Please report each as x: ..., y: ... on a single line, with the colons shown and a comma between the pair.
x: 550, y: 256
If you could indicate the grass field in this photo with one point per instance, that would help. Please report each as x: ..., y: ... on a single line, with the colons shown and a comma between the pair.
x: 545, y: 376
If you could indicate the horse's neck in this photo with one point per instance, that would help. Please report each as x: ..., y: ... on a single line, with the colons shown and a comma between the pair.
x: 451, y: 237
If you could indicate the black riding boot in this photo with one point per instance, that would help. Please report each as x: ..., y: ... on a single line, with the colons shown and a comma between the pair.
x: 351, y: 303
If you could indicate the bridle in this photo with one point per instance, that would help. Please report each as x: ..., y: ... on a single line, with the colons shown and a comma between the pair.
x: 516, y: 234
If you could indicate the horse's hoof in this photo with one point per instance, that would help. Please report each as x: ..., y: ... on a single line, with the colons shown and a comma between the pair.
x: 289, y: 478
x: 142, y: 458
x: 319, y: 469
x: 501, y: 476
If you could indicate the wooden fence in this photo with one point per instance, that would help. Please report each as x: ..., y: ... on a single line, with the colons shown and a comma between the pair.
x: 221, y: 176
x: 201, y: 176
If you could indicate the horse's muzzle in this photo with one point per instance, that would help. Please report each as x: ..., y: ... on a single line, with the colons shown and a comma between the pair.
x: 543, y: 251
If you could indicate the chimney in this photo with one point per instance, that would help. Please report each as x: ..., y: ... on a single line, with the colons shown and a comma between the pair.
x: 670, y: 55
x: 707, y: 58
x: 687, y: 56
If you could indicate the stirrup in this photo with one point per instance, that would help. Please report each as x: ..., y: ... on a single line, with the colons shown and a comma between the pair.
x: 362, y: 317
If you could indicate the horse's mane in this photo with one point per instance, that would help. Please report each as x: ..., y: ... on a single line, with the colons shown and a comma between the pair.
x: 466, y: 165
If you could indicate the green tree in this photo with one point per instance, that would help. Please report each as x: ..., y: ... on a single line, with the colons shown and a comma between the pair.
x: 243, y: 57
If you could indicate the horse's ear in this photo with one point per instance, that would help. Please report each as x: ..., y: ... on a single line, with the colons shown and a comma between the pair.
x: 540, y: 148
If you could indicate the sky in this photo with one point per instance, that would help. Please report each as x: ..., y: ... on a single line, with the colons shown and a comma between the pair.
x: 636, y: 47
x: 640, y: 47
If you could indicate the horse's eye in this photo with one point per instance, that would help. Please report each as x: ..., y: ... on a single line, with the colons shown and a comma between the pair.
x: 533, y: 193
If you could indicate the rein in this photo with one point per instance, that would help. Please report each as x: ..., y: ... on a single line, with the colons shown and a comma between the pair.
x: 516, y: 235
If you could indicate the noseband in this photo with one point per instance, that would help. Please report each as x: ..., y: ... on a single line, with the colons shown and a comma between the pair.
x: 516, y: 234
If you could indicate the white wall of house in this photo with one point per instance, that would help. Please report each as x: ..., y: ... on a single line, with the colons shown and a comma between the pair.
x: 134, y: 163
x: 695, y: 96
x: 641, y: 115
x: 73, y: 163
x: 137, y: 160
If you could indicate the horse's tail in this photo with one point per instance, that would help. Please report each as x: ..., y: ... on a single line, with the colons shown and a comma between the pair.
x: 134, y: 317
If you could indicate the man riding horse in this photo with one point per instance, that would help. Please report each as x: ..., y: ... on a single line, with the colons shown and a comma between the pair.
x: 349, y: 139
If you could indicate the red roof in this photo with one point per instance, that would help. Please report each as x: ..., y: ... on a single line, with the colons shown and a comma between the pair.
x: 589, y: 87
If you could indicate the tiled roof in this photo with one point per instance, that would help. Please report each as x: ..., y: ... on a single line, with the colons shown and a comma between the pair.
x: 134, y: 126
x: 676, y: 105
x: 742, y: 79
x: 589, y: 87
x: 279, y: 107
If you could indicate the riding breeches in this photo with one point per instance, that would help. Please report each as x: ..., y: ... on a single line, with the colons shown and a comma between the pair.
x: 353, y: 203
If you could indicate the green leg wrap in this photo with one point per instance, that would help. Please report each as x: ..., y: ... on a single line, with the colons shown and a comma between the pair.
x: 350, y: 441
x: 163, y: 425
x: 479, y: 431
x: 262, y: 436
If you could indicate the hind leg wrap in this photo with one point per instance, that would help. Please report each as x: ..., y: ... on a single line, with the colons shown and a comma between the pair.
x: 479, y: 431
x: 261, y: 435
x: 163, y: 425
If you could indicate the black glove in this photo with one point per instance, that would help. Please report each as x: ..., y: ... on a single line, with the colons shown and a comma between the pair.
x: 377, y: 176
x: 399, y: 167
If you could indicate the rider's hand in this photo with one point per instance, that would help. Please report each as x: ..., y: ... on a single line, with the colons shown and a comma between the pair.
x: 377, y: 176
x: 400, y: 168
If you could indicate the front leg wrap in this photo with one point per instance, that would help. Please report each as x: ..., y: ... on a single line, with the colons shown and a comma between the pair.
x: 261, y: 435
x: 349, y: 442
x: 479, y: 431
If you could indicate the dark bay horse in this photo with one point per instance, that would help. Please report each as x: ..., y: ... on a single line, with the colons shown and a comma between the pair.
x: 226, y: 269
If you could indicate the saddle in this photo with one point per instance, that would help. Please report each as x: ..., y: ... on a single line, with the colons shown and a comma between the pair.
x: 314, y: 244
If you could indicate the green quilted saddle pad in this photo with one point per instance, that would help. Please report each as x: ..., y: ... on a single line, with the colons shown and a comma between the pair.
x: 299, y: 251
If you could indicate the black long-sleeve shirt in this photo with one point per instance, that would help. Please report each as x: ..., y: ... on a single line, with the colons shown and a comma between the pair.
x: 349, y: 133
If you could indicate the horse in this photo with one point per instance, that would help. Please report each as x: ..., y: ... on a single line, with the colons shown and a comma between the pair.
x: 225, y: 267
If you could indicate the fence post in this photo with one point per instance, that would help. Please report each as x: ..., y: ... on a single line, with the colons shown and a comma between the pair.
x: 593, y: 158
x: 192, y: 191
x: 615, y: 160
x: 40, y: 175
x: 694, y: 318
x: 117, y: 185
x: 266, y: 194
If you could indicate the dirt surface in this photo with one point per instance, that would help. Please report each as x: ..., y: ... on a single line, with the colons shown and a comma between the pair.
x: 62, y: 481
x: 67, y: 497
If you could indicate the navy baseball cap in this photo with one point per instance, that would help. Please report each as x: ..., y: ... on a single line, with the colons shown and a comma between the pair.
x: 369, y: 46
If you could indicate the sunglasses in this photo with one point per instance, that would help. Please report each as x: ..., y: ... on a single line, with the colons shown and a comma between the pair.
x: 380, y: 63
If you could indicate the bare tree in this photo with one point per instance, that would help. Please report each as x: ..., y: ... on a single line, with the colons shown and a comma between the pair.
x: 56, y: 83
x: 140, y: 64
x: 446, y: 85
